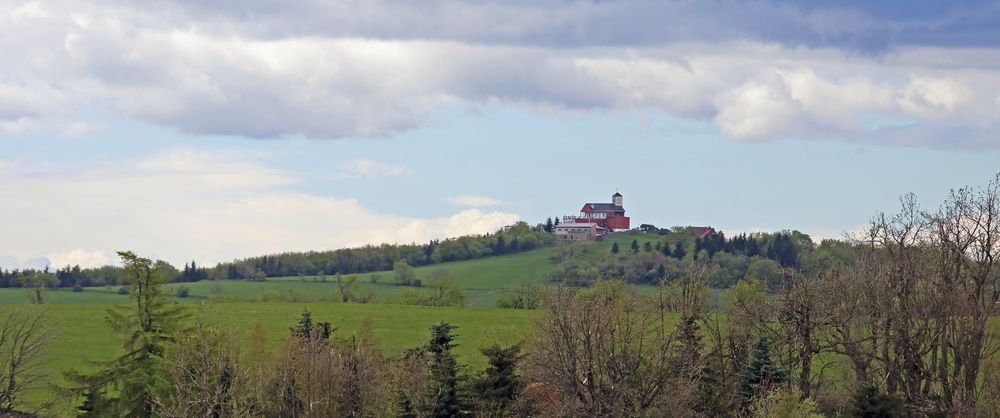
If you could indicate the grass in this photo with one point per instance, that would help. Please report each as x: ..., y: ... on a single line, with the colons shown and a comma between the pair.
x: 484, y: 280
x: 83, y: 336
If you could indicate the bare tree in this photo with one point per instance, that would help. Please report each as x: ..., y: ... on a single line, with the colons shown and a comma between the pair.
x: 607, y: 352
x: 24, y: 336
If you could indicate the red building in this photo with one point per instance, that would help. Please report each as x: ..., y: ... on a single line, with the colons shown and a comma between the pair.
x: 610, y: 216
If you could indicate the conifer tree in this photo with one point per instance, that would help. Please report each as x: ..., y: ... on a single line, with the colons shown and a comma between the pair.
x: 500, y: 383
x: 444, y: 373
x: 760, y: 371
x: 679, y: 252
x: 136, y: 377
x: 872, y: 403
x: 614, y: 248
x: 635, y: 247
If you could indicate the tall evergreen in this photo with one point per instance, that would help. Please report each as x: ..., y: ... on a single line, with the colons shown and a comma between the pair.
x: 444, y: 373
x: 760, y: 371
x: 548, y: 225
x: 635, y: 247
x: 614, y: 248
x: 872, y: 403
x: 131, y: 383
x: 679, y: 252
x: 500, y: 382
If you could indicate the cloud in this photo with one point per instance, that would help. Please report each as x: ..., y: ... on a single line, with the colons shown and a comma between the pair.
x: 375, y: 69
x: 474, y: 200
x: 368, y: 168
x: 82, y: 258
x: 185, y: 204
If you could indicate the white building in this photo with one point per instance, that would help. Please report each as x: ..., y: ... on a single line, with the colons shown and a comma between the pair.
x: 575, y: 231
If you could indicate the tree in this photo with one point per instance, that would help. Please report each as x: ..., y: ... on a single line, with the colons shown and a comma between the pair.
x: 25, y: 335
x: 346, y: 288
x: 761, y: 374
x: 606, y: 351
x: 130, y: 384
x: 548, y: 225
x: 500, y: 382
x: 870, y: 402
x: 444, y: 373
x: 205, y: 376
x: 634, y: 247
x: 614, y: 248
x: 404, y: 273
x: 679, y: 252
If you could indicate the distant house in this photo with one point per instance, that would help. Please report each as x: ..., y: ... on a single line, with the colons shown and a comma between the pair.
x: 610, y: 216
x: 574, y: 231
x: 701, y: 231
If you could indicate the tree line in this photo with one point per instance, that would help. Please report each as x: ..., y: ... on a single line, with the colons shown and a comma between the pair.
x: 370, y: 258
x: 766, y: 256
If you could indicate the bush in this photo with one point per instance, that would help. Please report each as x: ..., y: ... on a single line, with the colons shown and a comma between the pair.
x: 123, y: 290
x: 374, y: 278
x: 77, y: 288
x: 182, y: 292
x: 526, y: 296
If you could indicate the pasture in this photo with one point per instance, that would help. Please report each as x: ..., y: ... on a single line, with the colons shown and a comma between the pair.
x: 83, y: 336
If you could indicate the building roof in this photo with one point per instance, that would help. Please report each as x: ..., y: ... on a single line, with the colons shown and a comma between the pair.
x: 616, y: 195
x: 604, y: 207
x: 701, y: 231
x: 577, y: 225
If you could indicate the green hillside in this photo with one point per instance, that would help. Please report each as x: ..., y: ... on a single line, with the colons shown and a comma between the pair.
x: 483, y: 279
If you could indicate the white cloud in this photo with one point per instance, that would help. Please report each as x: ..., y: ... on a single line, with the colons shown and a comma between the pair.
x: 363, y: 167
x: 199, y: 69
x: 474, y: 200
x: 82, y: 258
x: 185, y: 204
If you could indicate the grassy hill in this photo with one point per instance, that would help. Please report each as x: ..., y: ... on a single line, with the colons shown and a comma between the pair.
x: 483, y: 280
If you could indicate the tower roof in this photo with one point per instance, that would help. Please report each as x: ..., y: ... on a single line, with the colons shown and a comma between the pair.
x: 616, y: 195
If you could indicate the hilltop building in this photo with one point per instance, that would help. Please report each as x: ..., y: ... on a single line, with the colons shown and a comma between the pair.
x: 574, y: 231
x: 595, y: 220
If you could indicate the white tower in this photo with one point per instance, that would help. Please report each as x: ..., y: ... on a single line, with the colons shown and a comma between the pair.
x: 616, y: 199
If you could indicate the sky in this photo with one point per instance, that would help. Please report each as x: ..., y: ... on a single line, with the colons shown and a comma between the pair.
x: 212, y: 130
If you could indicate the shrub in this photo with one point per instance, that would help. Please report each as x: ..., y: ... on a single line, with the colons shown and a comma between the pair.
x: 77, y: 288
x: 374, y: 278
x: 123, y: 290
x: 182, y: 292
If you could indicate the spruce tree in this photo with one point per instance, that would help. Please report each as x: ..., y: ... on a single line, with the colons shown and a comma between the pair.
x: 614, y: 248
x: 635, y: 247
x: 444, y: 373
x: 500, y: 383
x: 760, y: 371
x: 679, y: 252
x: 872, y: 403
x: 136, y: 378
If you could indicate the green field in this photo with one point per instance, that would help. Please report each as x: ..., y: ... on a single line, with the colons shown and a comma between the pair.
x: 83, y: 336
x: 484, y: 280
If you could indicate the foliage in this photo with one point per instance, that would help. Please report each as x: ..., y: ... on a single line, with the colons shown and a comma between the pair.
x: 761, y: 374
x: 870, y: 402
x: 442, y: 291
x: 784, y: 404
x: 444, y: 372
x: 500, y: 383
x: 130, y: 384
x: 526, y: 296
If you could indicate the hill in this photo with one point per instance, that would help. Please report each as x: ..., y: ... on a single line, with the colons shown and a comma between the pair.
x: 483, y: 279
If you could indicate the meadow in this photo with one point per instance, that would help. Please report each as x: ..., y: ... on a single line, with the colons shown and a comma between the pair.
x: 84, y: 337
